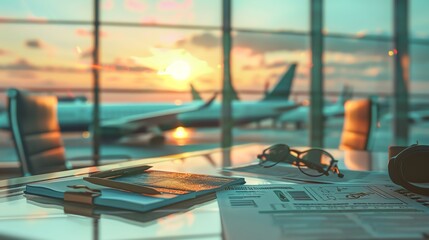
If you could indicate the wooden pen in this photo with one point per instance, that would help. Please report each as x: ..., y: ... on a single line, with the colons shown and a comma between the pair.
x: 121, y: 185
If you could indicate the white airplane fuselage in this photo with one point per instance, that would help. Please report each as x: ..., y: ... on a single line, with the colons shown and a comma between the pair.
x: 301, y: 114
x: 77, y: 116
x: 242, y: 113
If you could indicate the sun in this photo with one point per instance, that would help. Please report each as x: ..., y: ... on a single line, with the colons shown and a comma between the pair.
x: 179, y: 70
x: 177, y: 64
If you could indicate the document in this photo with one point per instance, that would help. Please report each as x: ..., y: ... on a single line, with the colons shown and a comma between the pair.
x: 285, y: 172
x: 320, y: 211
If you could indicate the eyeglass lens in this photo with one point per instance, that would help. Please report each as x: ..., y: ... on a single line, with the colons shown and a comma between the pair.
x: 273, y: 155
x: 315, y: 162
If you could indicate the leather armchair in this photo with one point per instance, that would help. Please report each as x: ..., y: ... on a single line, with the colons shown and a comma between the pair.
x: 36, y: 132
x: 360, y: 119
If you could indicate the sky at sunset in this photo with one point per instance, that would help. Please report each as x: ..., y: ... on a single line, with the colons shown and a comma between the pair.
x: 142, y: 57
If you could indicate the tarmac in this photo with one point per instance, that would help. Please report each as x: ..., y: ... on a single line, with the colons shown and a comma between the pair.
x: 78, y: 145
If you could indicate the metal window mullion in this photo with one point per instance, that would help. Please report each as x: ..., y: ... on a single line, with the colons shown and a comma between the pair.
x: 401, y: 73
x: 316, y: 85
x: 226, y: 121
x: 96, y: 85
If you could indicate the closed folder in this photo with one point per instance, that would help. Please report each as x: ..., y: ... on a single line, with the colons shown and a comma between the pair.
x: 173, y: 187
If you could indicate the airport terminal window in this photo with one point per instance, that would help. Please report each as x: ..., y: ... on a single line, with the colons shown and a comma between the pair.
x: 419, y: 45
x: 133, y: 60
x: 357, y: 68
x: 365, y: 65
x: 260, y: 60
x: 45, y: 56
x: 151, y: 53
x: 44, y: 49
x: 418, y: 21
x: 359, y: 18
x: 358, y: 58
x: 182, y: 12
x: 418, y: 101
x: 269, y: 37
x: 419, y: 75
x: 49, y: 45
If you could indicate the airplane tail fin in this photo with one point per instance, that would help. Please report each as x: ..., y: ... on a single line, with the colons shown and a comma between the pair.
x: 346, y: 94
x: 234, y: 93
x: 282, y: 90
x: 195, y: 94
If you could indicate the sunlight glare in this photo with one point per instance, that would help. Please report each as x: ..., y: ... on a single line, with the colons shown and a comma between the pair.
x: 180, y: 133
x: 179, y: 70
x: 176, y: 64
x: 78, y: 50
x: 86, y: 134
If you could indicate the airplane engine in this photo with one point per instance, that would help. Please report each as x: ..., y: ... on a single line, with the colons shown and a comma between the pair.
x: 142, y: 136
x: 149, y: 139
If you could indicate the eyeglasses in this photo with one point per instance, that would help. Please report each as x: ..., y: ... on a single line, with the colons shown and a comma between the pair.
x: 313, y: 162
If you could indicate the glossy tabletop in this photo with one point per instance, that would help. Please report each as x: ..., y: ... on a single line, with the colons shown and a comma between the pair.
x: 30, y: 217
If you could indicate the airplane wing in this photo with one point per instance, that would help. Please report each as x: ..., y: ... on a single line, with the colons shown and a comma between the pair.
x: 288, y: 107
x: 153, y: 118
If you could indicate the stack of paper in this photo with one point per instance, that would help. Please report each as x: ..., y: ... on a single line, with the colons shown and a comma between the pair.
x: 328, y: 211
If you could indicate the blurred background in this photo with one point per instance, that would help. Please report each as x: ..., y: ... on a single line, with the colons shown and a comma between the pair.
x: 151, y: 51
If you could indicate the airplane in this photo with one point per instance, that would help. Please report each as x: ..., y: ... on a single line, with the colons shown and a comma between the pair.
x: 119, y: 120
x: 300, y: 115
x: 271, y: 106
x: 145, y: 122
x: 418, y: 112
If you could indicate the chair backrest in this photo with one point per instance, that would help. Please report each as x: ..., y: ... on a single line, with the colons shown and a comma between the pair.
x: 360, y: 119
x: 36, y: 132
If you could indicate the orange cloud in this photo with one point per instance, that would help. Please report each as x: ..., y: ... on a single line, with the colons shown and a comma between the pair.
x: 135, y: 6
x: 4, y: 52
x: 372, y: 71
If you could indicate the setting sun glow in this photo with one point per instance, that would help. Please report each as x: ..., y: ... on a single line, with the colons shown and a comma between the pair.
x: 174, y: 66
x: 179, y: 70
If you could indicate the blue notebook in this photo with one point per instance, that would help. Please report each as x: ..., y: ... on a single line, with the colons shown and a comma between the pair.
x: 173, y: 187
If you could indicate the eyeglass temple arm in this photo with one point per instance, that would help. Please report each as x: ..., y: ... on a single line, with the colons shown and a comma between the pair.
x: 309, y: 164
x: 315, y: 166
x: 334, y: 168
